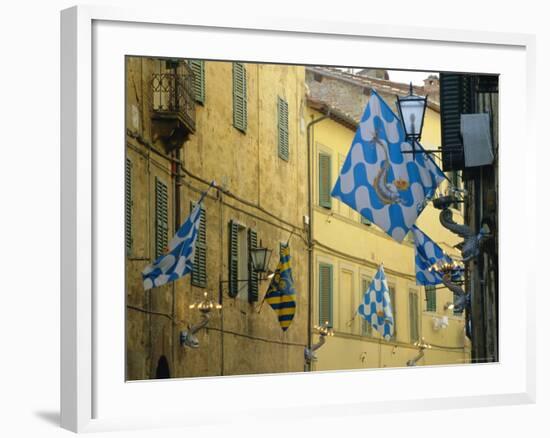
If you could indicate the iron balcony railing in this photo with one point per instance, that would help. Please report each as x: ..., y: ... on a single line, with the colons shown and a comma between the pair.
x: 173, y: 96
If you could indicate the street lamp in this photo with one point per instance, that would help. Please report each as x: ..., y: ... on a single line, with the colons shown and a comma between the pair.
x: 412, y: 109
x: 260, y: 258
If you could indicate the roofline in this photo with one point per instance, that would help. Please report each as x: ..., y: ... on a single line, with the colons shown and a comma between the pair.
x: 381, y: 85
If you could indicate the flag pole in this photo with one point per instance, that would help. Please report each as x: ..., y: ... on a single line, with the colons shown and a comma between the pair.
x: 203, y: 195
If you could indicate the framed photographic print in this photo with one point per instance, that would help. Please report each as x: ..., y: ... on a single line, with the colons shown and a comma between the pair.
x: 254, y: 210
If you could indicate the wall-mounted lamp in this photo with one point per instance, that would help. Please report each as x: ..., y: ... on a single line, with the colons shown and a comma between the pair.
x: 259, y: 258
x: 188, y: 338
x: 412, y: 109
x: 422, y: 345
x: 323, y: 331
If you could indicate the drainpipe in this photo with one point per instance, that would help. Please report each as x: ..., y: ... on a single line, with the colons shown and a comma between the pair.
x: 310, y: 137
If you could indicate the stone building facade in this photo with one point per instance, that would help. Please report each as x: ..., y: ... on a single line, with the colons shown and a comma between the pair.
x: 241, y: 125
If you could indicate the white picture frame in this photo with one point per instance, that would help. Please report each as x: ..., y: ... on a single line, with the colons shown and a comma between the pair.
x: 93, y: 395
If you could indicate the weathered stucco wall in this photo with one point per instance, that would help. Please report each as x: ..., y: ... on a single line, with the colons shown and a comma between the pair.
x: 261, y: 192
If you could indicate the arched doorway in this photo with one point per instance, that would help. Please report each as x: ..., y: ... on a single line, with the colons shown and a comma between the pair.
x: 163, y: 369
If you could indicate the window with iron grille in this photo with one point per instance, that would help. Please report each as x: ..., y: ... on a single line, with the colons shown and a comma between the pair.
x: 161, y: 217
x: 240, y: 111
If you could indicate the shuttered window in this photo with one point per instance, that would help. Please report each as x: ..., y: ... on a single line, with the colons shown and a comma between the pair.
x: 431, y: 300
x: 128, y: 206
x: 199, y: 80
x: 240, y: 111
x: 413, y: 316
x: 233, y: 258
x: 325, y: 180
x: 456, y: 99
x: 325, y: 294
x: 161, y: 217
x: 282, y: 125
x: 198, y: 275
x: 366, y: 328
x: 252, y: 275
x: 394, y: 311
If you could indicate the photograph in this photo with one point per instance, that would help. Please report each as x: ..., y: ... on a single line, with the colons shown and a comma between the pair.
x: 303, y: 218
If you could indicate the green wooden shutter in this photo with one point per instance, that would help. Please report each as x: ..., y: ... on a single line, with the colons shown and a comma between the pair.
x: 199, y: 80
x: 456, y: 98
x: 233, y: 258
x: 198, y: 275
x: 325, y: 180
x: 325, y: 294
x: 161, y: 217
x: 240, y: 111
x: 252, y: 275
x: 431, y: 299
x: 413, y: 316
x: 366, y: 328
x: 394, y: 311
x: 282, y: 122
x: 128, y: 206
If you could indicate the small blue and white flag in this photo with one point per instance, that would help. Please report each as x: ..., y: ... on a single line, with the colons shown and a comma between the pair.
x: 376, y: 308
x: 181, y: 253
x: 386, y: 186
x: 428, y: 254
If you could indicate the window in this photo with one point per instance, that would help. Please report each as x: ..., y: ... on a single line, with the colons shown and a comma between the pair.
x: 198, y: 275
x: 366, y: 328
x: 394, y: 311
x: 413, y: 316
x: 199, y: 80
x: 161, y: 217
x: 325, y: 180
x: 240, y: 114
x: 431, y: 301
x: 325, y: 294
x: 243, y: 281
x: 253, y: 284
x: 128, y: 206
x: 282, y: 128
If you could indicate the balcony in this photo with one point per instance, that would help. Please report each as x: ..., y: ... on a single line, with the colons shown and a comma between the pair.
x: 173, y: 106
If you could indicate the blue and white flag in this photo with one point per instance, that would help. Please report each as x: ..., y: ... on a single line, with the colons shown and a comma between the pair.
x: 428, y: 254
x: 181, y: 252
x: 386, y: 186
x: 376, y: 308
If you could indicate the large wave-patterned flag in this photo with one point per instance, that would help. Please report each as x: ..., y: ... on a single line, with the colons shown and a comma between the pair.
x: 181, y: 252
x: 281, y: 295
x: 376, y: 308
x: 427, y: 254
x: 386, y: 186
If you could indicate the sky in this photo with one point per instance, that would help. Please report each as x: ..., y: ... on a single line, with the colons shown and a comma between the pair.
x: 417, y: 77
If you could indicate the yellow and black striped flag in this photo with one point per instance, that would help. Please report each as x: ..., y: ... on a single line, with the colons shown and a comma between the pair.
x: 281, y: 295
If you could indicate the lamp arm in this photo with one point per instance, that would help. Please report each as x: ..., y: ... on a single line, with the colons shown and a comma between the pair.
x: 322, y: 340
x: 205, y: 318
x: 412, y: 362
